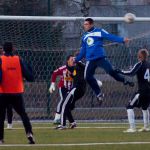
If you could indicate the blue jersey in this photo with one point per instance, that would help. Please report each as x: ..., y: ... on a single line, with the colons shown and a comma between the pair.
x: 92, y: 44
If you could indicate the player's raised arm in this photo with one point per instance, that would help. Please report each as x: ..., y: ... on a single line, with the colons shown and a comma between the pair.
x: 112, y: 37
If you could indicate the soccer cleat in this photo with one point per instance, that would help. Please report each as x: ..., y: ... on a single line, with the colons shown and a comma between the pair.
x: 129, y: 83
x: 73, y: 125
x: 9, y: 126
x: 144, y: 129
x: 100, y: 98
x: 60, y: 127
x: 31, y: 139
x: 130, y: 130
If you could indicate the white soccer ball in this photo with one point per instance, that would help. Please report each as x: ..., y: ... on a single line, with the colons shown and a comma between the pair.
x: 129, y: 17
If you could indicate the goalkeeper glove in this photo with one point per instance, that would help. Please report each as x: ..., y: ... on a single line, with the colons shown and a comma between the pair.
x: 52, y: 87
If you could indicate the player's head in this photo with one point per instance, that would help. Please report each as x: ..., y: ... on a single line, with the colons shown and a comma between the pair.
x: 88, y: 24
x: 143, y: 54
x: 8, y: 47
x: 70, y: 60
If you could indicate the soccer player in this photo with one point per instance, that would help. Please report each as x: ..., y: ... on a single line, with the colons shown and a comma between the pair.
x: 65, y: 84
x: 92, y: 49
x: 77, y: 92
x: 9, y: 107
x: 141, y: 98
x: 12, y: 71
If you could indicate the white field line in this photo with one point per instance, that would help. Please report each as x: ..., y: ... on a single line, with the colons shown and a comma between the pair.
x: 73, y: 144
x: 20, y: 128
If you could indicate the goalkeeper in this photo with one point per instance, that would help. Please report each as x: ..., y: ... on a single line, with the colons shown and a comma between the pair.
x: 141, y: 98
x: 92, y: 49
x: 65, y: 84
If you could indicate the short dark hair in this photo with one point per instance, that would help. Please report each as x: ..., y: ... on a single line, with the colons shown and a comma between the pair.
x: 8, y: 47
x: 144, y: 52
x: 68, y: 57
x: 90, y: 20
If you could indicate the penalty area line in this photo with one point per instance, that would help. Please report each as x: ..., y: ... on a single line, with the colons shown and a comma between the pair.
x: 72, y: 144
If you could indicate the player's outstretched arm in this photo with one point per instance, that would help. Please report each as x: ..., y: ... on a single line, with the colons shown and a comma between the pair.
x: 112, y: 37
x: 131, y: 72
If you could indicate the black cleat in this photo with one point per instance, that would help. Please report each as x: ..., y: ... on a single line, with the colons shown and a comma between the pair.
x: 129, y: 83
x: 31, y: 139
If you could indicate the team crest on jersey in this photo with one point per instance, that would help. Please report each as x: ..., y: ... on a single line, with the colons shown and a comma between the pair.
x: 90, y: 41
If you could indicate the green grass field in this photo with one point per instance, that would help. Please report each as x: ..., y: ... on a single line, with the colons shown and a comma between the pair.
x: 85, y: 137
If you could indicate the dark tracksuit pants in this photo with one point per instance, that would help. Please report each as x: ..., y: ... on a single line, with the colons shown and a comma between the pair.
x: 9, y: 114
x: 18, y: 105
x: 69, y: 104
x: 62, y: 92
x: 90, y: 71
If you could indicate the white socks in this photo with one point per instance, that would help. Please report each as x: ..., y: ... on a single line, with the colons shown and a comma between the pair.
x: 131, y: 118
x: 146, y: 118
x: 57, y: 116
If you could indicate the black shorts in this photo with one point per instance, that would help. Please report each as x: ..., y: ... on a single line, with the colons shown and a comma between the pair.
x: 140, y: 101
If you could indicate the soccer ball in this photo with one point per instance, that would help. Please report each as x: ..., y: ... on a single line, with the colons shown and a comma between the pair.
x: 129, y: 18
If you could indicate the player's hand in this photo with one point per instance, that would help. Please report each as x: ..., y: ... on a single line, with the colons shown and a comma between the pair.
x: 52, y: 87
x: 126, y: 40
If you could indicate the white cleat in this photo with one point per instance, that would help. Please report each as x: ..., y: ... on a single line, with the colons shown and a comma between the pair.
x: 144, y: 130
x: 130, y: 130
x: 9, y: 126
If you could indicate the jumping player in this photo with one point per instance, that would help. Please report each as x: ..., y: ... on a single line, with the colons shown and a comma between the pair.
x: 92, y: 49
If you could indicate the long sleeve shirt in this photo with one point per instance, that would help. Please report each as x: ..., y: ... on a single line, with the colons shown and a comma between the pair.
x: 92, y: 44
x: 65, y: 77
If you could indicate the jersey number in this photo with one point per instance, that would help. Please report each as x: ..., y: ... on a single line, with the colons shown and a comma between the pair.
x: 147, y: 75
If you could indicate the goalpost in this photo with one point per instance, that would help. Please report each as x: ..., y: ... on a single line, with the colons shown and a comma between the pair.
x: 44, y: 43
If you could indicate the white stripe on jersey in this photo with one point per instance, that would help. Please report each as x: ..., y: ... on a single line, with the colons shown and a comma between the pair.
x: 105, y: 31
x: 132, y: 68
x: 97, y: 34
x: 87, y: 63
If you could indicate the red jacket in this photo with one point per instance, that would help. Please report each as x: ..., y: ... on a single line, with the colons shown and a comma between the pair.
x: 65, y: 79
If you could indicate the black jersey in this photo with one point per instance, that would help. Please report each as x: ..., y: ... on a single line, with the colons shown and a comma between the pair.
x: 78, y: 75
x: 142, y: 71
